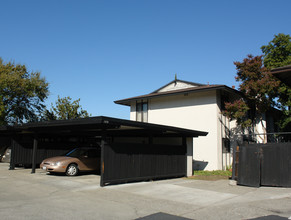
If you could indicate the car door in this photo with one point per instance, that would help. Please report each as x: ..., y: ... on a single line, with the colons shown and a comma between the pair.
x: 91, y: 159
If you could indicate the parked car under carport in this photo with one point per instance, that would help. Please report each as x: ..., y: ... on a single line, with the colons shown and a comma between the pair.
x: 83, y: 159
x: 130, y: 150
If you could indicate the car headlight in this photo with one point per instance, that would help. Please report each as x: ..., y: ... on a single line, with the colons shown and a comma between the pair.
x: 56, y: 164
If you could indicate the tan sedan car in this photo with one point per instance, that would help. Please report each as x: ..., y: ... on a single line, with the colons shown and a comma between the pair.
x: 75, y: 161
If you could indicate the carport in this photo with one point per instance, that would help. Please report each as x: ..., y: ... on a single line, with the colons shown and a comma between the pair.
x: 130, y: 150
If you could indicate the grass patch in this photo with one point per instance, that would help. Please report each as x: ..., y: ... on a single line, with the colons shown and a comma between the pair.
x: 211, y: 175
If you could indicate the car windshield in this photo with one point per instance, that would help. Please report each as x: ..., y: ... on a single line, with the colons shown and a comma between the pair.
x: 77, y: 152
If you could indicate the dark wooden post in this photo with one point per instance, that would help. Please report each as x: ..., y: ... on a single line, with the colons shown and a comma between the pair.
x: 235, y: 161
x: 12, y: 155
x: 103, y: 139
x: 184, y: 144
x: 34, y: 151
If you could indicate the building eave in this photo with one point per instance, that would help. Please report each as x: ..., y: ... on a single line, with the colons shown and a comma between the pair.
x: 283, y: 74
x: 204, y: 88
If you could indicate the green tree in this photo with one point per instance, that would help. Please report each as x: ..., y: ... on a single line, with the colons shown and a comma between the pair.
x: 22, y: 94
x: 238, y: 110
x: 65, y: 109
x: 277, y: 54
x: 258, y: 87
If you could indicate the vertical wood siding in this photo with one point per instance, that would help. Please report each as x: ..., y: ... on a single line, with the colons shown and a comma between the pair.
x: 133, y: 162
x: 265, y: 165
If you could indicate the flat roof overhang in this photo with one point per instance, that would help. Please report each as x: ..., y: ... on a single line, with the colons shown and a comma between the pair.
x: 98, y: 126
x: 283, y: 74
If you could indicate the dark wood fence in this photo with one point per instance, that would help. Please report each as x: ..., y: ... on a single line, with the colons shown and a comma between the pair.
x: 134, y: 162
x: 22, y: 150
x: 276, y: 165
x: 265, y: 165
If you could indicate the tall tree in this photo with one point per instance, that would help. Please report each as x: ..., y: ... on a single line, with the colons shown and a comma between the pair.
x: 259, y: 90
x: 22, y: 94
x: 277, y: 54
x: 64, y: 109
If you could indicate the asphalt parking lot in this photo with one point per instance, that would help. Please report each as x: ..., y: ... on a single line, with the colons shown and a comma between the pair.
x: 41, y: 196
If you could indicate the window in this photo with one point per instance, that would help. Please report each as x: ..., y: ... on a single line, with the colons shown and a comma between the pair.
x: 142, y: 111
x: 92, y: 153
x: 225, y: 145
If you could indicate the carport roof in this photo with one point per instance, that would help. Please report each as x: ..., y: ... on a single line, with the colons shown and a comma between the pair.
x: 101, y: 125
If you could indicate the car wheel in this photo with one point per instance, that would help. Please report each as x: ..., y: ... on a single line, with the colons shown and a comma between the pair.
x: 72, y: 170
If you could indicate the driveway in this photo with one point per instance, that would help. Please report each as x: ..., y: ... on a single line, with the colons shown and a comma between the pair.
x: 41, y: 196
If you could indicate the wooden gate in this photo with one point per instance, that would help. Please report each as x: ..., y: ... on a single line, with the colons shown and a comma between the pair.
x: 276, y: 165
x: 265, y: 165
x: 249, y: 166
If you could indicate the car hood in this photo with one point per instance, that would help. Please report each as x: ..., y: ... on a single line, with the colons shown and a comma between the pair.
x: 56, y: 159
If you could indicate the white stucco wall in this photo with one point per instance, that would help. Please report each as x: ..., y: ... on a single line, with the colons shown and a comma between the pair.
x: 197, y: 111
x: 260, y: 130
x: 189, y: 143
x: 133, y: 111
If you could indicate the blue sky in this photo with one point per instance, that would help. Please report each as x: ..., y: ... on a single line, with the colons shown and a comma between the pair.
x: 101, y: 51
